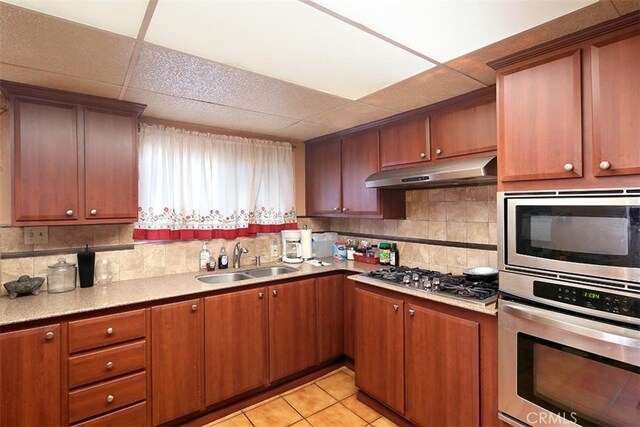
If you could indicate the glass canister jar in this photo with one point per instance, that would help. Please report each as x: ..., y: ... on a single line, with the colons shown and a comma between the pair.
x: 61, y: 276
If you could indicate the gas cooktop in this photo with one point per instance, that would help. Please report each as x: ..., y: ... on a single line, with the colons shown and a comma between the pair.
x: 446, y: 284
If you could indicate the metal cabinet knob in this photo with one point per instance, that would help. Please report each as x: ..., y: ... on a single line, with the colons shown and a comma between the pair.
x: 109, y: 365
x: 395, y: 307
x: 194, y: 307
x: 109, y: 331
x: 438, y: 151
x: 336, y: 209
x: 412, y: 312
x: 423, y: 155
x: 260, y: 295
x: 568, y: 167
x: 604, y: 165
x: 345, y: 209
x: 275, y: 293
x: 49, y: 335
x: 110, y: 398
x: 69, y: 212
x: 94, y: 211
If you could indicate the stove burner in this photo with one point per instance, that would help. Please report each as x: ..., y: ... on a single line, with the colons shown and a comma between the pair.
x: 442, y: 283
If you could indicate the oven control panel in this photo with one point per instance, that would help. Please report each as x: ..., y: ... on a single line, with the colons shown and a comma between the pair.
x: 593, y: 299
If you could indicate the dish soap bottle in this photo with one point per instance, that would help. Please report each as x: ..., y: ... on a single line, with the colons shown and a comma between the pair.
x: 205, y: 257
x: 223, y: 259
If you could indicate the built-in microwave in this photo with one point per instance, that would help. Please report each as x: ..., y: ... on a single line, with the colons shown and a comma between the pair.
x: 589, y: 237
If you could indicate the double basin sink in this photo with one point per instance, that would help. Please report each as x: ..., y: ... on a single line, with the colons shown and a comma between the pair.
x: 245, y: 275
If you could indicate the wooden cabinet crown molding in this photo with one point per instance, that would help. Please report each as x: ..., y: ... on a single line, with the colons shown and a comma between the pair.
x: 10, y: 89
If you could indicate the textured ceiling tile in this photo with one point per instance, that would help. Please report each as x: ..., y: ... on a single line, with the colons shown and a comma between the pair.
x: 38, y: 41
x: 426, y: 88
x: 174, y: 73
x: 305, y: 130
x: 202, y: 113
x: 474, y: 64
x: 352, y: 114
x: 626, y: 6
x: 57, y: 81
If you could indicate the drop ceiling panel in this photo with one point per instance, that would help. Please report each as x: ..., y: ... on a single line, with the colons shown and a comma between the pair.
x: 37, y: 41
x: 447, y: 29
x: 118, y: 16
x: 202, y: 113
x: 57, y: 81
x: 429, y: 87
x: 284, y: 39
x: 352, y: 114
x: 170, y: 72
x: 304, y: 130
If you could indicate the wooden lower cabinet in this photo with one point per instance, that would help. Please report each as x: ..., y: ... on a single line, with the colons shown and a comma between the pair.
x: 30, y: 390
x: 236, y: 345
x: 349, y: 287
x: 176, y: 360
x: 330, y: 317
x: 379, y: 347
x: 292, y: 328
x: 442, y: 362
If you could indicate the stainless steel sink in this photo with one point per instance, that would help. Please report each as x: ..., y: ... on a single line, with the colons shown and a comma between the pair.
x: 225, y: 278
x: 270, y: 271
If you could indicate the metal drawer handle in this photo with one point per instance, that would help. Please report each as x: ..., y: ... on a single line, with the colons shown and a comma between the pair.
x: 438, y: 151
x: 94, y: 211
x: 412, y: 312
x: 69, y: 212
x: 568, y: 167
x: 604, y: 165
x: 260, y: 295
x: 109, y: 365
x: 275, y: 293
x: 423, y: 155
x: 109, y: 330
x: 110, y: 398
x: 194, y: 307
x: 49, y: 335
x: 395, y: 307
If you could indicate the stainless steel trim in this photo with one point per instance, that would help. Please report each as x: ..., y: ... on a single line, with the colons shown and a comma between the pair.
x: 510, y: 420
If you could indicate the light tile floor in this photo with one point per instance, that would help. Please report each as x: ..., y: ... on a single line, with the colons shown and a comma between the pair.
x: 329, y: 401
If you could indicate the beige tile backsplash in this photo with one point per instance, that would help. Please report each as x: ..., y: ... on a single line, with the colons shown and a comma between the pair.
x: 451, y: 214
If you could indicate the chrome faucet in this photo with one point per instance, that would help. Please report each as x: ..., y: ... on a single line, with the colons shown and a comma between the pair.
x: 237, y: 253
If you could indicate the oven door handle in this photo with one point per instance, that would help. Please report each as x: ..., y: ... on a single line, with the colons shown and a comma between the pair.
x: 588, y: 328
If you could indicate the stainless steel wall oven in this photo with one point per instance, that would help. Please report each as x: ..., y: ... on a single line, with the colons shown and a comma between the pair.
x: 569, y: 313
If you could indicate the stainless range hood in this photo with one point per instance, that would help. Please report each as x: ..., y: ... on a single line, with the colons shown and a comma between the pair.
x: 479, y: 170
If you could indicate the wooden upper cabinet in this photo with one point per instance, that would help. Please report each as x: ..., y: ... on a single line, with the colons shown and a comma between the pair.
x: 30, y: 390
x: 615, y: 91
x: 540, y: 119
x: 111, y: 164
x: 323, y: 180
x: 464, y: 131
x: 45, y: 161
x: 360, y: 158
x: 405, y: 143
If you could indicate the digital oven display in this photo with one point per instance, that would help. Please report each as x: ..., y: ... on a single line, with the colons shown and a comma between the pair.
x: 591, y: 295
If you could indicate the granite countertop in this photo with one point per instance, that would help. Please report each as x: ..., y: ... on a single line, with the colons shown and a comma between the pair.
x: 128, y: 292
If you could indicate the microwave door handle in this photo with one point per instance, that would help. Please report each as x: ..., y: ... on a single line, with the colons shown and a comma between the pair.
x: 590, y: 329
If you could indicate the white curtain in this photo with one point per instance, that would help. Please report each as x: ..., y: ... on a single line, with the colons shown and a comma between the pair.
x: 212, y: 185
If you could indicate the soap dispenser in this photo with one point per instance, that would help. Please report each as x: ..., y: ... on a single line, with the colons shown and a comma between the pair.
x: 205, y: 257
x: 223, y: 259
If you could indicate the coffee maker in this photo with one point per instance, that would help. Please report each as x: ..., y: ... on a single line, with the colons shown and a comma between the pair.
x: 291, y: 246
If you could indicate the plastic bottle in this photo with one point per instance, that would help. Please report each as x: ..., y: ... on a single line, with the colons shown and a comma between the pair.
x: 385, y: 253
x: 205, y: 257
x: 223, y: 259
x: 394, y: 256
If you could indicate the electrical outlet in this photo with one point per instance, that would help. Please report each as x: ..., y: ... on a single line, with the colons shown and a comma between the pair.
x: 36, y: 235
x: 274, y: 250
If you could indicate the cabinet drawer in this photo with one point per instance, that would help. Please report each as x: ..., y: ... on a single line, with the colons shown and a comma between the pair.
x: 105, y: 330
x: 133, y: 416
x: 104, y: 364
x: 104, y: 397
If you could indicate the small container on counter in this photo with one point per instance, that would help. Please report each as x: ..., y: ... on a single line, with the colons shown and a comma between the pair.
x: 394, y: 256
x: 86, y: 266
x: 61, y: 277
x: 372, y: 252
x: 340, y: 250
x: 385, y: 253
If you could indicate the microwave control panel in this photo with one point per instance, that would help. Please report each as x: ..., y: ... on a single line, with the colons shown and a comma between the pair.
x: 593, y: 299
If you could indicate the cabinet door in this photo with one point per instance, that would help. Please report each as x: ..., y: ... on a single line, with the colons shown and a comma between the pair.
x: 442, y: 368
x: 293, y: 326
x: 615, y: 78
x: 322, y: 169
x: 330, y: 317
x: 379, y: 347
x: 46, y: 161
x: 176, y: 360
x: 349, y: 317
x: 360, y: 158
x: 111, y: 187
x: 235, y: 343
x: 540, y: 120
x: 30, y: 372
x: 464, y: 131
x: 405, y: 143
